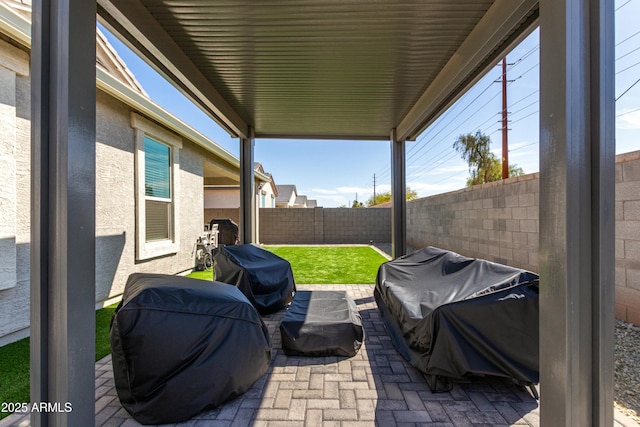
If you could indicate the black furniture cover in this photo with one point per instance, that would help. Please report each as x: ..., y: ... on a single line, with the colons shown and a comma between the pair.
x: 452, y: 316
x: 265, y: 278
x: 180, y: 346
x: 322, y: 323
x: 227, y: 231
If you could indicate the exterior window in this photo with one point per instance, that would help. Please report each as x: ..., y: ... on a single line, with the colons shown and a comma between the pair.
x: 157, y: 172
x: 157, y: 190
x: 263, y: 203
x: 273, y: 202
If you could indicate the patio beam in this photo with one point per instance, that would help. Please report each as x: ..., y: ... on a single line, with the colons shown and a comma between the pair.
x: 247, y: 191
x: 398, y: 197
x: 577, y: 212
x: 63, y: 110
x: 143, y: 34
x: 506, y: 23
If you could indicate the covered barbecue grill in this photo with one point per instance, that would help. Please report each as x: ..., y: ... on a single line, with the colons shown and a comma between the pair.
x: 265, y: 278
x: 453, y: 317
x: 180, y: 346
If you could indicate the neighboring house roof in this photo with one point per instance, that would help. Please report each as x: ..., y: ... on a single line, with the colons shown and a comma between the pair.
x: 110, y: 61
x: 285, y: 192
x: 301, y: 201
x: 274, y: 187
x: 15, y: 23
x: 312, y: 203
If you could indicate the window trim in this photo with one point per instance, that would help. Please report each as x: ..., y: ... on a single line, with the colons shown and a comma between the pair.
x: 146, y: 128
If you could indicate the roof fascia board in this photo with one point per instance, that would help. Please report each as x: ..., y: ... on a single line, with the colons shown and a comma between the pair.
x: 474, y: 56
x: 17, y: 27
x: 141, y: 32
x: 114, y: 87
x: 323, y: 137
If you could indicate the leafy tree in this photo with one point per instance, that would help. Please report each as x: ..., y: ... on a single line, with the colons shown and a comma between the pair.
x: 357, y: 204
x: 385, y: 196
x: 484, y: 166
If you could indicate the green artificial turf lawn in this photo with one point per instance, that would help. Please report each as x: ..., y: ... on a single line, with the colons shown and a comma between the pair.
x: 331, y: 264
x: 14, y: 359
x: 202, y: 275
x: 14, y: 375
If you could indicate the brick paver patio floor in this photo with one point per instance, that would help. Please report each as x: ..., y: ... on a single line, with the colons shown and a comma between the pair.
x: 376, y: 387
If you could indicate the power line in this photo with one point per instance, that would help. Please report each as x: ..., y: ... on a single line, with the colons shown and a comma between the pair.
x: 457, y: 127
x: 418, y: 148
x: 524, y: 146
x: 630, y: 37
x: 522, y: 118
x: 623, y: 5
x: 628, y: 89
x: 629, y: 67
x: 525, y: 107
x: 434, y: 166
x: 525, y: 97
x: 463, y: 110
x: 627, y: 54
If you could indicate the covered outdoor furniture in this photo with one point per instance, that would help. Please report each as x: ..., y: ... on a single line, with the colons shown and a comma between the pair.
x: 453, y: 317
x: 265, y: 278
x: 322, y: 323
x: 180, y: 346
x: 227, y: 231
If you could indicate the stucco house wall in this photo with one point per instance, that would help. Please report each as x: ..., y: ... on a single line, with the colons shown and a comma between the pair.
x: 221, y: 198
x: 116, y: 188
x: 115, y: 202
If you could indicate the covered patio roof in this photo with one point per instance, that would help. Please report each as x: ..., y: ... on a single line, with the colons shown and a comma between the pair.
x: 348, y: 69
x: 334, y: 69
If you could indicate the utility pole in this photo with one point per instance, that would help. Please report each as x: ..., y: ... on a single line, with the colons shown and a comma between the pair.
x: 505, y: 122
x: 374, y: 188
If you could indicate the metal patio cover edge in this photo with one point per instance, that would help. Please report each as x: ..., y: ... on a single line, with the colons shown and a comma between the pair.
x: 348, y: 69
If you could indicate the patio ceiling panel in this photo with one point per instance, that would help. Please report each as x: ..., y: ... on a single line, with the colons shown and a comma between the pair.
x: 348, y: 69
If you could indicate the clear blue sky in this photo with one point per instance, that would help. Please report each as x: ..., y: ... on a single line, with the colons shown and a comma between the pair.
x: 336, y: 172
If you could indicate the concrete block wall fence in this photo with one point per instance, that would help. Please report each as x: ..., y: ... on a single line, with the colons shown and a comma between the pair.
x: 221, y: 213
x: 497, y: 221
x: 628, y: 237
x: 324, y: 226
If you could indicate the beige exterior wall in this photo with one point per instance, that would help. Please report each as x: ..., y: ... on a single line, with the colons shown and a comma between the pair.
x: 222, y: 198
x: 115, y: 203
x: 15, y: 191
x: 269, y: 196
x: 115, y: 198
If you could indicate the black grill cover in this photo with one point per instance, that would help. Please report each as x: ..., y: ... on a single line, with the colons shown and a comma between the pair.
x: 180, y: 346
x: 452, y: 316
x: 265, y: 278
x: 227, y: 231
x: 322, y: 323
